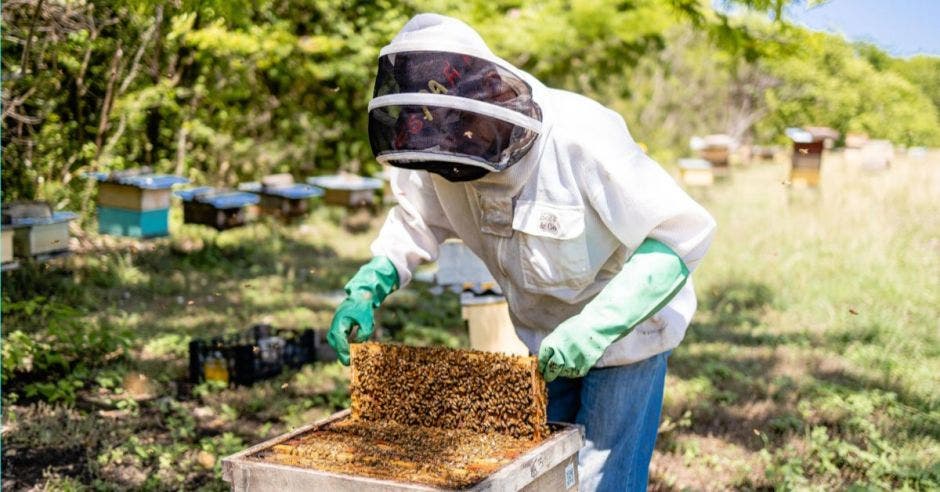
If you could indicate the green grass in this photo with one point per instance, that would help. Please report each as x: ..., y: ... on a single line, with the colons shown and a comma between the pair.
x: 812, y: 363
x: 814, y: 359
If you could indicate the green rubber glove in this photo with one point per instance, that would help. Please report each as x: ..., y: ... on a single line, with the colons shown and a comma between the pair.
x: 650, y: 278
x: 364, y: 292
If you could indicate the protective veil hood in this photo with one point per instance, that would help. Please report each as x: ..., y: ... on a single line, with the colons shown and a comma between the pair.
x: 443, y: 102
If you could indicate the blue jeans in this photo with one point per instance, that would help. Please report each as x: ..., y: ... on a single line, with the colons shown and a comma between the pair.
x: 619, y: 408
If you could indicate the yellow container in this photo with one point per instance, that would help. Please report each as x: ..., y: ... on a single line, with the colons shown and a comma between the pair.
x: 804, y: 177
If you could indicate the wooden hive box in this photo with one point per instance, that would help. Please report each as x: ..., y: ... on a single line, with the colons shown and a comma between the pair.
x: 219, y: 209
x: 128, y: 197
x: 347, y: 190
x: 281, y: 197
x: 37, y: 230
x: 42, y: 238
x: 134, y: 223
x: 696, y: 172
x: 135, y: 202
x: 6, y: 248
x: 808, y: 145
x: 423, y: 419
x: 806, y: 163
x: 876, y: 155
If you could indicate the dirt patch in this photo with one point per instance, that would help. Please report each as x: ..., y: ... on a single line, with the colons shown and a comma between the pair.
x: 24, y: 467
x: 706, y: 463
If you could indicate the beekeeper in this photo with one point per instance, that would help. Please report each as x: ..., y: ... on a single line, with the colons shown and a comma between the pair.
x: 591, y: 241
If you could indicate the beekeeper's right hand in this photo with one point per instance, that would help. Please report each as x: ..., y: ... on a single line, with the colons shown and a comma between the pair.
x: 364, y: 292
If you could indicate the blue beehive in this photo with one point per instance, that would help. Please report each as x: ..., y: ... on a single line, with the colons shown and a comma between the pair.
x: 220, y: 209
x: 281, y: 197
x: 347, y: 190
x: 135, y: 203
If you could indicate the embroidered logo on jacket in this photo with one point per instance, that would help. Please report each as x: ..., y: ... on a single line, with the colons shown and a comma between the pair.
x: 548, y: 222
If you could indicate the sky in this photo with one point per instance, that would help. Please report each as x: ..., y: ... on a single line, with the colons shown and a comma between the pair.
x: 900, y: 27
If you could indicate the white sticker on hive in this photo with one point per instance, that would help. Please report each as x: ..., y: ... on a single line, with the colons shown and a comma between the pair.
x: 569, y: 476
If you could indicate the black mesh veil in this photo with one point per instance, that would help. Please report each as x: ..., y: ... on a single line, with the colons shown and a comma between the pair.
x: 443, y: 111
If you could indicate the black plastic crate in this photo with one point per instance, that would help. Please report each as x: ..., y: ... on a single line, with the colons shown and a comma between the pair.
x: 260, y: 353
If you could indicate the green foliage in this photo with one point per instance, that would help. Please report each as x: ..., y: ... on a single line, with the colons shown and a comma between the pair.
x: 228, y: 91
x: 825, y: 82
x: 53, y: 357
x: 922, y: 71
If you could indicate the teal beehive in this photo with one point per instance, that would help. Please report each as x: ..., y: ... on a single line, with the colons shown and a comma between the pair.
x: 135, y: 202
x: 134, y: 223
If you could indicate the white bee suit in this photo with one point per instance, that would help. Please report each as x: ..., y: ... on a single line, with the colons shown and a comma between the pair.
x: 557, y: 225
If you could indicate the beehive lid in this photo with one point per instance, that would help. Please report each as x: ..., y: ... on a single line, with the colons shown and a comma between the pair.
x: 718, y: 141
x: 24, y: 209
x: 32, y: 213
x: 229, y: 199
x: 799, y: 135
x: 822, y: 132
x: 294, y: 191
x: 189, y: 194
x: 695, y: 164
x: 56, y: 218
x: 351, y: 182
x: 147, y: 181
x: 218, y: 198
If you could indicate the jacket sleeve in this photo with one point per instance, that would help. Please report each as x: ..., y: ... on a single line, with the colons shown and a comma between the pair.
x: 415, y: 227
x: 637, y: 199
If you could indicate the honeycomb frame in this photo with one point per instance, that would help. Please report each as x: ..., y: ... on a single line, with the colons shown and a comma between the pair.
x: 483, y: 392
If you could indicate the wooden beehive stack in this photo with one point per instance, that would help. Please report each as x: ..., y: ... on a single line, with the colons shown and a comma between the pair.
x: 347, y: 190
x: 808, y: 146
x: 38, y: 232
x: 6, y: 248
x: 876, y: 155
x: 716, y: 149
x: 424, y: 419
x: 696, y: 172
x: 135, y: 202
x: 284, y: 199
x: 219, y: 209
